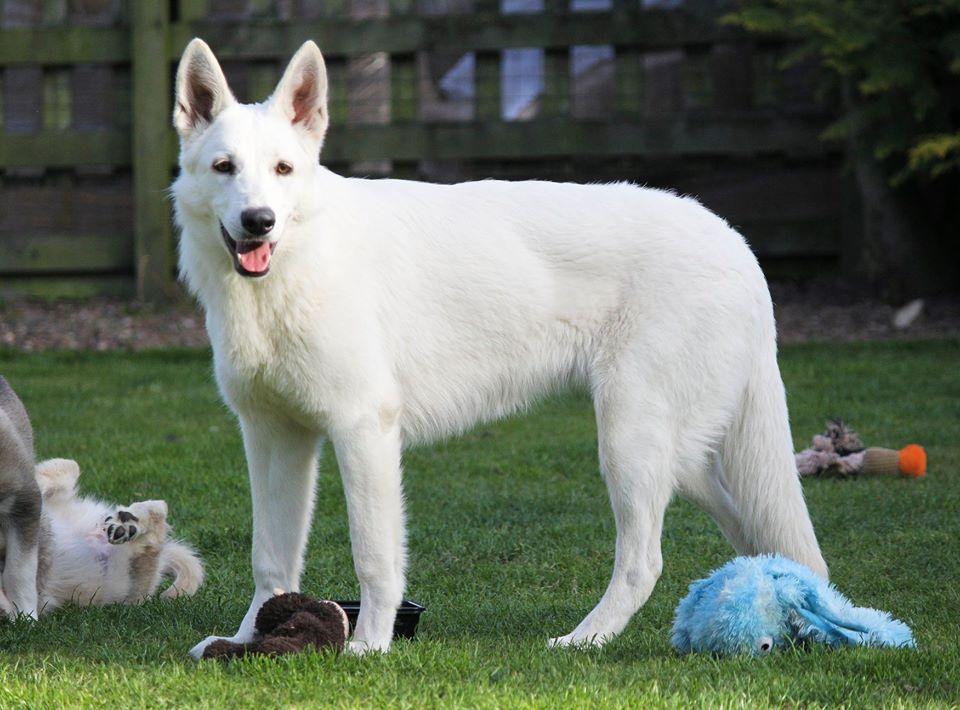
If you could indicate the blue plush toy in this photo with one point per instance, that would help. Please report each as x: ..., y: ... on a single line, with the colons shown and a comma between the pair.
x: 755, y: 604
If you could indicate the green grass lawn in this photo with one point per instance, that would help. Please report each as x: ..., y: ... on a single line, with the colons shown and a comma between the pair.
x: 511, y: 541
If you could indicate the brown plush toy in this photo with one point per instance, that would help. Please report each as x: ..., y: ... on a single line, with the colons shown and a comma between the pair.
x: 289, y: 623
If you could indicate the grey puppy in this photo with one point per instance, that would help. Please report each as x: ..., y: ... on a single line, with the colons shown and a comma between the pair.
x: 21, y: 524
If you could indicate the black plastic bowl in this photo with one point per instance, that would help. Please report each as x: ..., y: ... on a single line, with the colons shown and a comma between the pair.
x: 408, y: 616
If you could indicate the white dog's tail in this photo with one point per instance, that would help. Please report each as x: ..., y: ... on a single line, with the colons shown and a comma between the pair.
x: 761, y: 472
x: 179, y: 561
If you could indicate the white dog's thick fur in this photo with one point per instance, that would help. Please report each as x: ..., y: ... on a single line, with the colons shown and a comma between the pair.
x: 399, y: 312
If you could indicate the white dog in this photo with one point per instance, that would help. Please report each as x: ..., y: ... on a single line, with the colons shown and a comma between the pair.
x: 382, y: 313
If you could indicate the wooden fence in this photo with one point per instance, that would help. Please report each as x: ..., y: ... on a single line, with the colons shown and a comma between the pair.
x: 86, y: 148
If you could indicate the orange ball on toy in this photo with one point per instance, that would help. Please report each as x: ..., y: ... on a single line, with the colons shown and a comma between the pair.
x: 913, y: 461
x: 910, y: 461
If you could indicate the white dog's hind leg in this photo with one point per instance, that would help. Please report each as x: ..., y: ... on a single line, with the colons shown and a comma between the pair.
x: 282, y: 460
x: 636, y: 460
x: 708, y: 491
x: 369, y: 459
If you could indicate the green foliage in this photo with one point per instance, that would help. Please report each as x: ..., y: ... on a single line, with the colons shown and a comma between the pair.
x: 511, y: 540
x: 936, y: 154
x: 895, y: 62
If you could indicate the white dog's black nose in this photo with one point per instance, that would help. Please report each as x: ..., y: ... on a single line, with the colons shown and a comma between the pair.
x: 258, y: 221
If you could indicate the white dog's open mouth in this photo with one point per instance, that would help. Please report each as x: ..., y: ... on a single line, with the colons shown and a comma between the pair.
x: 251, y: 256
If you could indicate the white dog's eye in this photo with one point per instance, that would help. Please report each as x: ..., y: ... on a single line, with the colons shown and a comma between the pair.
x: 284, y: 168
x: 224, y: 166
x: 764, y: 644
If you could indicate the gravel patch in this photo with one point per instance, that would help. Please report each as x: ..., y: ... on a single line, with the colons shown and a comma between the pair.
x: 823, y: 314
x: 103, y: 324
x: 98, y: 324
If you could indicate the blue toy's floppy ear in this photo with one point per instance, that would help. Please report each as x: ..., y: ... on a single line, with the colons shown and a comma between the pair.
x: 833, y: 630
x: 811, y: 613
x: 819, y: 610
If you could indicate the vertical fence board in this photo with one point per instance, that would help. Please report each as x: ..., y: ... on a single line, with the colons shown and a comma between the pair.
x: 556, y: 82
x: 57, y: 99
x: 337, y: 90
x: 629, y: 78
x: 488, y: 86
x: 403, y: 88
x: 151, y: 116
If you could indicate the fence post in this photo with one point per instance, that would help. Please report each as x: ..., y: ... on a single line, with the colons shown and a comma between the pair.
x: 487, y: 80
x: 150, y: 74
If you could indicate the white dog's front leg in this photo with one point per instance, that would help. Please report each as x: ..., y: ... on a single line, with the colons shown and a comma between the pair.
x: 282, y: 460
x: 369, y: 460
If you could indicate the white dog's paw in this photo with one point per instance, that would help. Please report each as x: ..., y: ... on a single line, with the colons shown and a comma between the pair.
x: 362, y: 648
x: 575, y: 640
x: 197, y: 651
x: 123, y: 526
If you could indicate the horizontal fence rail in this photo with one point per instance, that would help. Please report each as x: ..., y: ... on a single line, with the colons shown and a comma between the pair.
x: 411, y: 142
x: 643, y: 29
x: 429, y: 95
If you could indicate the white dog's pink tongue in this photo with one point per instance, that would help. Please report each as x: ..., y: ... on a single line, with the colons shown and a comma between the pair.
x: 256, y: 260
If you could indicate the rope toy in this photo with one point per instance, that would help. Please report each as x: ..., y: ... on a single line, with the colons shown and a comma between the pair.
x: 839, y: 452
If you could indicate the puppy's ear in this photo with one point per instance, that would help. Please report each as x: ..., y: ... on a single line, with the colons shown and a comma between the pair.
x: 201, y: 91
x: 301, y: 95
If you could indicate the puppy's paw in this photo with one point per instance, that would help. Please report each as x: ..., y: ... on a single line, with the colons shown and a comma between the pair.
x: 121, y: 527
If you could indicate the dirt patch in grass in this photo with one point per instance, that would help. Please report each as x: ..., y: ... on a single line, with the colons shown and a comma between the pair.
x: 108, y: 324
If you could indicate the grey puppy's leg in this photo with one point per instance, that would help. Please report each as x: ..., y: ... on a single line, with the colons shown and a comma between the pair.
x: 20, y: 505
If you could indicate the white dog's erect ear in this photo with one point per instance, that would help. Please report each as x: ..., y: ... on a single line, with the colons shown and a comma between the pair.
x: 301, y: 95
x: 202, y: 90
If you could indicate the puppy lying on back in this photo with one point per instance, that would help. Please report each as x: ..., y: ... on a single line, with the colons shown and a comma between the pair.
x: 97, y: 553
x: 83, y: 550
